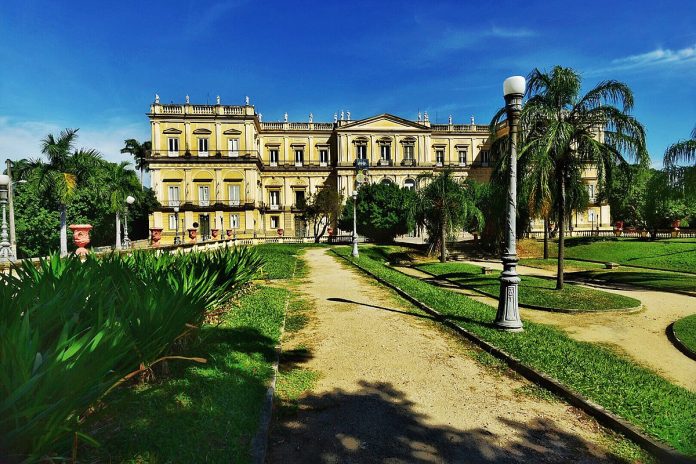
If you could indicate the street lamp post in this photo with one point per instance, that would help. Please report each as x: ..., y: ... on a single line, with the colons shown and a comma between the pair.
x: 508, y: 315
x: 126, y: 240
x: 6, y: 254
x: 176, y: 226
x: 355, y: 223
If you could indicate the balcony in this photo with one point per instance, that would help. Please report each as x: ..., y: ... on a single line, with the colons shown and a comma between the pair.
x: 219, y: 155
x: 221, y: 203
x: 385, y: 162
x: 409, y: 162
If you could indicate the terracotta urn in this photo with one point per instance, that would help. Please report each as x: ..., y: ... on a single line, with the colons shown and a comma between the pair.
x: 81, y: 238
x: 215, y: 233
x: 675, y: 227
x: 193, y: 233
x: 229, y: 233
x: 155, y: 236
x: 330, y: 231
x: 280, y: 232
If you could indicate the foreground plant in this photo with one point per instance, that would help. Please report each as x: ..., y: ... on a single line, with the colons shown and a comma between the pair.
x: 71, y: 331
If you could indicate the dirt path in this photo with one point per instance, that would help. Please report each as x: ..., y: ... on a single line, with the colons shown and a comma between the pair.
x: 640, y: 336
x: 394, y: 388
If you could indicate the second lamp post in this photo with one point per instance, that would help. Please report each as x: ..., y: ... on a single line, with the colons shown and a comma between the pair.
x: 355, y: 223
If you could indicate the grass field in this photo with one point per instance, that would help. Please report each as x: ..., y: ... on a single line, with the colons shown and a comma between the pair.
x: 685, y: 330
x: 642, y: 397
x: 280, y: 260
x: 671, y: 254
x: 648, y: 278
x: 535, y: 291
x: 199, y: 412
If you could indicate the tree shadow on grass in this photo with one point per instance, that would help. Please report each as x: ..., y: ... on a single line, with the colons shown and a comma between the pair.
x: 379, y: 424
x: 623, y: 280
x: 198, y: 413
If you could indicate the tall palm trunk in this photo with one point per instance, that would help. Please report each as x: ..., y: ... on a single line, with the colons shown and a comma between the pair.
x: 561, y: 232
x: 63, y: 230
x: 546, y: 237
x: 118, y: 231
x: 443, y: 239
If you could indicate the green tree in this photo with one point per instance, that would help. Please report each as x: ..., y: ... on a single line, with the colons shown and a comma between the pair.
x: 627, y: 192
x: 322, y: 209
x: 139, y: 151
x: 64, y: 169
x: 445, y: 206
x: 382, y: 212
x: 576, y: 132
x: 682, y: 151
x: 120, y: 182
x: 664, y: 204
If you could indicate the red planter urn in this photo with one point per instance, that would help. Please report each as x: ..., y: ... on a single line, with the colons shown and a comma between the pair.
x: 330, y: 231
x: 229, y: 233
x: 155, y: 236
x: 81, y: 238
x: 618, y: 228
x: 193, y: 233
x: 215, y: 233
x: 280, y: 232
x: 675, y: 227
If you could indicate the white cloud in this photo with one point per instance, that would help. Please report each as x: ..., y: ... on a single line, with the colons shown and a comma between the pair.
x: 510, y: 33
x: 22, y: 139
x: 660, y: 56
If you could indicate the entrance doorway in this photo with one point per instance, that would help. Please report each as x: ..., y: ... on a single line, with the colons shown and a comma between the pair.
x: 300, y: 227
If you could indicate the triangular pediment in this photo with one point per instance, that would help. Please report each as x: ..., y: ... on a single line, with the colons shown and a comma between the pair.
x: 232, y: 132
x: 386, y: 122
x: 171, y: 130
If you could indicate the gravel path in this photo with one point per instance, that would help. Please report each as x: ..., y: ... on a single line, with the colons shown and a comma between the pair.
x: 394, y: 388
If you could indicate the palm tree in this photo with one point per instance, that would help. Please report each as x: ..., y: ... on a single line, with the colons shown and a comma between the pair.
x: 575, y: 132
x: 139, y: 151
x: 684, y: 150
x: 444, y: 206
x: 120, y: 182
x: 64, y: 169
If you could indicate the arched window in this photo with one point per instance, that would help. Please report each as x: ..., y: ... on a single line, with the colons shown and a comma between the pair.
x: 410, y: 184
x: 385, y: 181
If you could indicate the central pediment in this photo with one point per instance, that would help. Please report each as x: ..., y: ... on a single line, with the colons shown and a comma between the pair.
x: 385, y: 122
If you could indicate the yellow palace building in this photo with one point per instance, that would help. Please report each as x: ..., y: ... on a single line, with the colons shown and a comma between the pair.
x: 222, y: 170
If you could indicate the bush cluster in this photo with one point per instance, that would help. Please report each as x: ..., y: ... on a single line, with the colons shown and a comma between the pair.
x: 71, y: 331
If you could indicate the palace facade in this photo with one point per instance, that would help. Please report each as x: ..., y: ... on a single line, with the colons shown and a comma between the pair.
x: 222, y: 170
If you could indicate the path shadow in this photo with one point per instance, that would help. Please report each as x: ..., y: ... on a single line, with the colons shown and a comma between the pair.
x: 378, y: 424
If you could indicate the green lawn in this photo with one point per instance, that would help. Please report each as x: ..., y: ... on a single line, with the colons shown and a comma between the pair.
x: 670, y: 254
x: 648, y: 278
x: 280, y: 259
x: 685, y: 329
x: 533, y: 291
x: 660, y: 408
x: 199, y: 412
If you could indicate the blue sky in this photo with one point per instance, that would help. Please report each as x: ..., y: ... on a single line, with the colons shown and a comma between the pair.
x: 97, y: 68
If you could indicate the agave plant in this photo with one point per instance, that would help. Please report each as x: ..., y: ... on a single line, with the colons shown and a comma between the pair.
x: 70, y: 332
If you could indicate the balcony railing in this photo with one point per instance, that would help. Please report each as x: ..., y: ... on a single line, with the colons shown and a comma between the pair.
x: 226, y: 110
x: 242, y: 155
x: 409, y: 162
x: 221, y: 202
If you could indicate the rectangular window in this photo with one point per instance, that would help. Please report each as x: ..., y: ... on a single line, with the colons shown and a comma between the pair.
x: 299, y: 157
x: 485, y: 157
x: 323, y: 157
x: 361, y: 151
x: 385, y: 152
x: 234, y: 195
x: 173, y: 144
x: 300, y: 198
x: 275, y: 222
x: 273, y: 154
x: 233, y: 147
x: 172, y: 222
x: 274, y: 197
x: 234, y: 221
x: 591, y: 192
x: 202, y: 147
x: 462, y: 157
x: 440, y: 157
x: 204, y: 195
x: 173, y: 196
x: 408, y: 152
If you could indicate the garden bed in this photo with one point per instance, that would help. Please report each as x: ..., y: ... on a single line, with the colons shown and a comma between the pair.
x: 684, y: 335
x: 534, y: 292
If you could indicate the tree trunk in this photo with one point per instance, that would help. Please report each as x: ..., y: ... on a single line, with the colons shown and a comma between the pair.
x: 561, y: 233
x: 118, y: 231
x: 63, y: 230
x: 546, y: 237
x: 443, y: 240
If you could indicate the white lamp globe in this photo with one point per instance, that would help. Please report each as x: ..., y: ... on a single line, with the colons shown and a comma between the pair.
x: 4, y: 180
x: 514, y: 85
x: 130, y: 200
